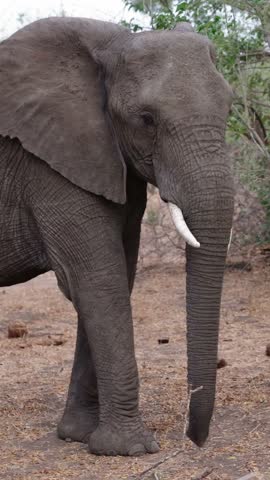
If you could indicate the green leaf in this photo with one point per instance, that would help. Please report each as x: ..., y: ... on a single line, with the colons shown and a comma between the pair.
x: 182, y: 7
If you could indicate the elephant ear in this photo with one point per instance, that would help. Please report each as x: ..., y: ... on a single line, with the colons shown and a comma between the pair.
x: 53, y: 100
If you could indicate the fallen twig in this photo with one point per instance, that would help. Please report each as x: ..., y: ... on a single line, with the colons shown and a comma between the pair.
x: 204, y: 474
x: 180, y: 450
x: 190, y: 393
x: 249, y: 476
x: 156, y: 465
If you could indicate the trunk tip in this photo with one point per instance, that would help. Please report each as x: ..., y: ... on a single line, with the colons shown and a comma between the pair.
x: 196, y: 435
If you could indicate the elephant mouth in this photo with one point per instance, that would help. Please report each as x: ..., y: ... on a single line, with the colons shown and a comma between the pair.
x: 181, y: 226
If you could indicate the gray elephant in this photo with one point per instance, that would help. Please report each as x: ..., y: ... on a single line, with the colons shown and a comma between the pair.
x: 90, y: 113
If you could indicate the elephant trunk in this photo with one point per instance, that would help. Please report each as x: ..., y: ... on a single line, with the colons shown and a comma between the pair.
x: 200, y: 183
x: 209, y: 218
x: 203, y: 296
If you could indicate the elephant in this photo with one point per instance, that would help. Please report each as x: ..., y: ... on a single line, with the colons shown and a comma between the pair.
x: 90, y: 113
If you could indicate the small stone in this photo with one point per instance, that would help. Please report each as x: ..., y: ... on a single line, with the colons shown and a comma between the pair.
x: 52, y: 341
x: 222, y: 363
x: 267, y: 350
x: 45, y: 342
x: 238, y: 263
x: 17, y: 329
x: 58, y: 341
x: 163, y: 340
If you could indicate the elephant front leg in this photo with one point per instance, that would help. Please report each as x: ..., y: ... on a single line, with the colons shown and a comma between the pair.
x: 106, y: 313
x: 80, y: 417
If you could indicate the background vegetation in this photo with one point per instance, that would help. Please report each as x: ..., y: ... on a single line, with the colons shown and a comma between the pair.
x: 240, y: 30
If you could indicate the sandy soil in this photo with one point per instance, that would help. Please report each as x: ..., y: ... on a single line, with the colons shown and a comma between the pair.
x: 35, y: 372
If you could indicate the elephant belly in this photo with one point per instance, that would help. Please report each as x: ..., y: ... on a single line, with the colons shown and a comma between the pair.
x: 21, y: 254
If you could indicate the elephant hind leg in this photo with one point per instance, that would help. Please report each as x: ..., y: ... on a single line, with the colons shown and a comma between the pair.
x: 80, y: 417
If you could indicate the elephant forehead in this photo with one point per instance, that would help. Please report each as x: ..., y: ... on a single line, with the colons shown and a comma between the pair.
x: 169, y: 70
x: 169, y: 62
x: 177, y: 83
x: 161, y: 47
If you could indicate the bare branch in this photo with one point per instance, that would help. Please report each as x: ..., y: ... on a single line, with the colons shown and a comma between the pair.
x: 243, y: 5
x: 156, y: 465
x: 255, y: 137
x: 258, y: 54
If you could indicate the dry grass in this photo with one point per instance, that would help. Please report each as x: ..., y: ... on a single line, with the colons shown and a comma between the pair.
x: 35, y: 372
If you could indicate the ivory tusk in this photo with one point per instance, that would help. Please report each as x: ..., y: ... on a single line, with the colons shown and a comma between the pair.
x: 181, y: 226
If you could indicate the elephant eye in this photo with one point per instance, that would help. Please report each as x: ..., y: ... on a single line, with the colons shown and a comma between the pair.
x: 148, y: 119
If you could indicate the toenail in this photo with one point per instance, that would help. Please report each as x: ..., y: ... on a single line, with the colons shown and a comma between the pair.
x: 154, y: 447
x: 137, y: 450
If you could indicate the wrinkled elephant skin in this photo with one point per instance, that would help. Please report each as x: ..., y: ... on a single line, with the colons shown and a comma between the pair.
x: 89, y: 114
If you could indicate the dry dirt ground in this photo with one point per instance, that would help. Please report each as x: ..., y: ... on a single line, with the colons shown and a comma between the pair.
x: 35, y: 373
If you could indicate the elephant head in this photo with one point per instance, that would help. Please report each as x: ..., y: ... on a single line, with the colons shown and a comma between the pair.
x: 92, y: 99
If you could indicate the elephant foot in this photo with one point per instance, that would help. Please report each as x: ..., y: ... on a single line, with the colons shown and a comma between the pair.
x: 77, y: 425
x: 120, y: 440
